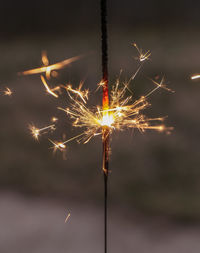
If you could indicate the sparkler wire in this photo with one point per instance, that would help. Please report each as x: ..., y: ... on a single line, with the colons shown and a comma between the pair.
x: 105, y: 103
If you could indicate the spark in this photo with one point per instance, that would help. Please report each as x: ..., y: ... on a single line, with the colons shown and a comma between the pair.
x: 195, y: 77
x: 118, y: 112
x: 160, y: 84
x: 7, y: 92
x: 47, y: 69
x: 36, y: 132
x: 58, y: 146
x: 67, y: 217
x: 50, y: 91
x: 54, y: 119
x: 62, y: 145
x: 142, y: 56
x: 82, y: 94
x: 101, y: 84
x: 123, y: 112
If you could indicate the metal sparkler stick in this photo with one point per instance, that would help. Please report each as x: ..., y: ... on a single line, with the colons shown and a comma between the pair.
x: 105, y: 105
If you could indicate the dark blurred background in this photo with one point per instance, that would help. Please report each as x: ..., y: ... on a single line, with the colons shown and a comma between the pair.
x: 154, y: 198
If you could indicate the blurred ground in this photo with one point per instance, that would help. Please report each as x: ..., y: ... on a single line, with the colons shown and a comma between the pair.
x: 37, y: 225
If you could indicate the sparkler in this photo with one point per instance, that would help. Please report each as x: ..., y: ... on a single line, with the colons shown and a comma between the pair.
x: 118, y: 112
x: 36, y: 132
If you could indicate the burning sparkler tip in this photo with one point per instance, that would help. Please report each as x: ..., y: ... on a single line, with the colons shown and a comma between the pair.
x: 35, y: 132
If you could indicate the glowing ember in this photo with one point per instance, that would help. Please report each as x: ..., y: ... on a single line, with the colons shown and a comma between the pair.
x: 62, y: 145
x: 122, y: 113
x: 160, y: 84
x: 54, y: 119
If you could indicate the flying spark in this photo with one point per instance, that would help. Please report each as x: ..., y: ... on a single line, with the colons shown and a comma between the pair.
x: 48, y: 90
x: 160, y: 84
x: 195, y: 77
x: 54, y: 119
x: 47, y: 69
x: 36, y: 132
x: 7, y: 92
x: 82, y: 94
x: 67, y: 218
x: 62, y: 145
x: 142, y: 56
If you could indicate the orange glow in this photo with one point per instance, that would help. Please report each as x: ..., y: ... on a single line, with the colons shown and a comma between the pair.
x: 105, y: 101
